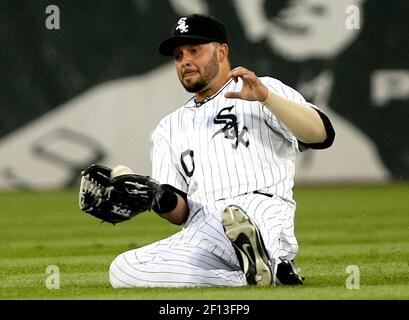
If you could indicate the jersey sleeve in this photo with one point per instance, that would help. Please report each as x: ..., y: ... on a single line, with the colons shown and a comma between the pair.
x: 165, y: 163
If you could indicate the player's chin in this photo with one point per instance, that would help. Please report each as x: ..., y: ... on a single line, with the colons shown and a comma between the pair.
x: 193, y: 87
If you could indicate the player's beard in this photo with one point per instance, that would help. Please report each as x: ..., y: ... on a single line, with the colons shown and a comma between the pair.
x: 209, y: 73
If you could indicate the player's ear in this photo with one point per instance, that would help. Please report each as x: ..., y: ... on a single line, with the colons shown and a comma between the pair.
x: 223, y: 51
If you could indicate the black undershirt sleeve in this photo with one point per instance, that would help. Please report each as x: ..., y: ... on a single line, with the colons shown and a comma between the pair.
x: 169, y: 199
x: 330, y: 135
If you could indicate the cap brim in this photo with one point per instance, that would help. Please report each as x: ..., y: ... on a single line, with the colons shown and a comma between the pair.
x: 167, y: 47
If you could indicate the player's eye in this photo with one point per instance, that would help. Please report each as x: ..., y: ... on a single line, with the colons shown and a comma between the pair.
x: 177, y: 56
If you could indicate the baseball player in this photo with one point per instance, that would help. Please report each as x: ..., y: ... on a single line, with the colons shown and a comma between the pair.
x: 224, y: 163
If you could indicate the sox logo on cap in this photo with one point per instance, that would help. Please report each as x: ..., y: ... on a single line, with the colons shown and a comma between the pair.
x: 182, y: 26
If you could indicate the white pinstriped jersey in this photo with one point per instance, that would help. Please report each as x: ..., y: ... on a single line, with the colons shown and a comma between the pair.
x: 218, y: 153
x: 226, y: 147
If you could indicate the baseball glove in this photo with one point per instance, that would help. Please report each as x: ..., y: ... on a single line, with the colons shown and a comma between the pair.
x: 118, y: 199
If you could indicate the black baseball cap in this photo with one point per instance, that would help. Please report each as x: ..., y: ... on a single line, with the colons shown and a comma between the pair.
x: 194, y: 29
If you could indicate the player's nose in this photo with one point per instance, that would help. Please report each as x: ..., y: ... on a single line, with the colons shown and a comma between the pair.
x: 185, y: 58
x: 186, y: 62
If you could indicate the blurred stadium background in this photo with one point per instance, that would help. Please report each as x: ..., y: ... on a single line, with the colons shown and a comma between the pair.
x: 93, y: 89
x: 81, y: 82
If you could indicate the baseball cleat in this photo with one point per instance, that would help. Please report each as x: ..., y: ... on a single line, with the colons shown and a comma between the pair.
x: 249, y: 247
x: 287, y: 273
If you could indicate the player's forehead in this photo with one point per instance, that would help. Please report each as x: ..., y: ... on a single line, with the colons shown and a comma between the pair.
x: 189, y: 46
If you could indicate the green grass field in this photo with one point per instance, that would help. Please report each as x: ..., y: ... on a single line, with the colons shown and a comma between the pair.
x: 337, y: 227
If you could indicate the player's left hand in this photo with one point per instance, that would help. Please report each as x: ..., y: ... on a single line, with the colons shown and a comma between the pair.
x: 116, y: 199
x: 253, y: 89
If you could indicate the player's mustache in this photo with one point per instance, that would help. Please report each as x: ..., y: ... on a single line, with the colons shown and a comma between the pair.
x: 188, y: 70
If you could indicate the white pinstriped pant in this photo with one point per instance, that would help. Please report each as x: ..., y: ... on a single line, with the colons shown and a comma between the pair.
x: 200, y: 254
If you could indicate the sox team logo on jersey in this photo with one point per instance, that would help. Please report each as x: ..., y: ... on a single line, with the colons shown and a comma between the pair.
x: 182, y: 26
x: 231, y: 128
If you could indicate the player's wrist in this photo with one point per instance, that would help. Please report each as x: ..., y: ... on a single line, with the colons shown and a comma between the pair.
x: 166, y: 203
x: 264, y: 93
x: 269, y: 99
